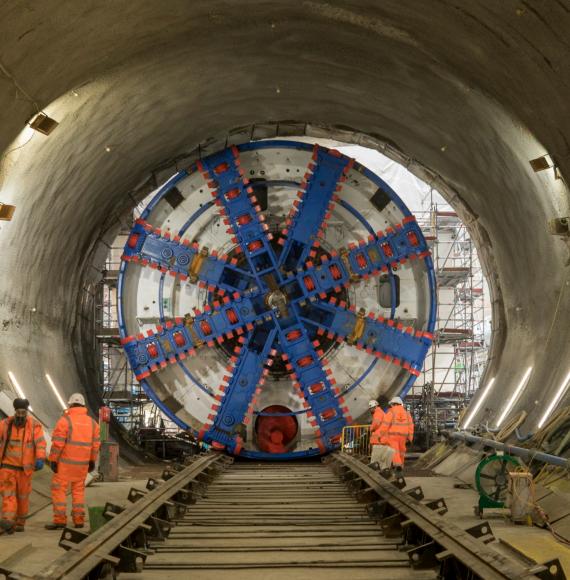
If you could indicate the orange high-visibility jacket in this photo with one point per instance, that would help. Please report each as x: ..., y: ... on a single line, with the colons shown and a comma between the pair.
x: 397, y: 421
x: 22, y: 453
x: 75, y: 439
x: 377, y: 419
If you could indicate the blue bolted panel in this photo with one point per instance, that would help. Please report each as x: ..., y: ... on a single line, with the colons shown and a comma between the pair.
x: 384, y: 338
x: 382, y: 252
x: 277, y: 298
x: 237, y: 393
x: 236, y: 200
x: 180, y: 258
x: 318, y: 189
x: 180, y: 338
x: 313, y: 384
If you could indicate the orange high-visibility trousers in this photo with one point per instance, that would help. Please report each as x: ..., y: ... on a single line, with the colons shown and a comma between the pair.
x: 59, y: 486
x: 15, y: 489
x: 398, y: 444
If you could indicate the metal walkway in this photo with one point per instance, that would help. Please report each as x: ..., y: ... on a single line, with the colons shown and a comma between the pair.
x: 278, y: 521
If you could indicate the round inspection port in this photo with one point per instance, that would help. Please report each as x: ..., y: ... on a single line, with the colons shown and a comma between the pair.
x: 276, y: 429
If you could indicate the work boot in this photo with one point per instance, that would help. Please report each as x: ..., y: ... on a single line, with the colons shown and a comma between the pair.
x: 78, y: 526
x: 6, y: 527
x: 55, y: 526
x: 19, y: 528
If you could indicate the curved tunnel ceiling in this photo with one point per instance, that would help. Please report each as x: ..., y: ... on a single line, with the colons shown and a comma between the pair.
x: 471, y: 92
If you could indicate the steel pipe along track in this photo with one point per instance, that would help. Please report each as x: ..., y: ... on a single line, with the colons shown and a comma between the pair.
x: 334, y: 519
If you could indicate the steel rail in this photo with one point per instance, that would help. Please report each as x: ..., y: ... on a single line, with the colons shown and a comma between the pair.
x: 98, y: 547
x: 483, y: 561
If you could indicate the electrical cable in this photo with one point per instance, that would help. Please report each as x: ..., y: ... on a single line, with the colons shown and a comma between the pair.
x: 531, y: 502
x: 510, y: 427
x: 6, y: 153
x: 18, y: 87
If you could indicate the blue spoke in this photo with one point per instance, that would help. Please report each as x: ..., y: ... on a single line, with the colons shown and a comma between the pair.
x: 234, y: 196
x: 234, y: 404
x: 386, y: 339
x: 175, y: 340
x: 313, y: 384
x: 307, y: 220
x: 150, y: 247
x: 387, y: 250
x: 382, y: 253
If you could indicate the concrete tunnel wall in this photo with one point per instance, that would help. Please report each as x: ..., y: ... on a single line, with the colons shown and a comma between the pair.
x: 469, y: 91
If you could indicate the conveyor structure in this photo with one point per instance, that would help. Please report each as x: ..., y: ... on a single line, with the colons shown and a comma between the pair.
x: 269, y: 291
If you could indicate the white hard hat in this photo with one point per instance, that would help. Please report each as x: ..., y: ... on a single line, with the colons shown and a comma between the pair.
x: 372, y: 403
x: 396, y: 401
x: 76, y: 399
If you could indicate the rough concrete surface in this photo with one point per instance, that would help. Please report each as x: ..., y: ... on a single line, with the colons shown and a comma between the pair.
x: 471, y: 90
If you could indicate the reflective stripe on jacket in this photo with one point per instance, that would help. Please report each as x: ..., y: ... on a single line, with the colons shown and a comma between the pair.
x: 377, y: 419
x: 397, y: 421
x: 75, y: 439
x: 22, y: 452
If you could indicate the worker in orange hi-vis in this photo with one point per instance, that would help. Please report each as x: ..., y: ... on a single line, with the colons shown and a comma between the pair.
x: 377, y: 418
x: 397, y: 428
x: 74, y: 449
x: 22, y: 451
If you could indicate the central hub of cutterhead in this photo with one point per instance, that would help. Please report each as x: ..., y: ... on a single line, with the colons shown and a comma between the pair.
x: 277, y: 300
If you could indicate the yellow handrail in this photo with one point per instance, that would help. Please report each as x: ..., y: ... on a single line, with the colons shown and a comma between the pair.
x: 356, y: 440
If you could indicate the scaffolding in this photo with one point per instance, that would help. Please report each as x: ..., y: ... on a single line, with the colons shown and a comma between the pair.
x: 118, y: 387
x: 456, y: 362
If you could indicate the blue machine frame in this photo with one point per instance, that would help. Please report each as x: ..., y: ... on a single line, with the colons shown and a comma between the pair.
x: 279, y: 298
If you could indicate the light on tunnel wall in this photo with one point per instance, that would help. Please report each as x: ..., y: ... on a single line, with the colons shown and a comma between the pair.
x: 43, y: 124
x: 17, y: 387
x: 545, y: 162
x: 479, y: 403
x: 56, y: 392
x: 515, y: 396
x: 555, y: 401
x: 6, y: 211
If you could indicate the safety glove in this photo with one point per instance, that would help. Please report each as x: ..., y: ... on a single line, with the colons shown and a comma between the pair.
x: 53, y: 466
x: 39, y: 464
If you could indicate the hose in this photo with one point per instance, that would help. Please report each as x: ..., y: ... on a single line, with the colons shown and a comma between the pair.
x: 511, y: 426
x: 560, y: 417
x: 522, y: 438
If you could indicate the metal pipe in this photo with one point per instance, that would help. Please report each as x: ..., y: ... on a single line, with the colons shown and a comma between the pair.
x: 527, y: 454
x: 521, y: 437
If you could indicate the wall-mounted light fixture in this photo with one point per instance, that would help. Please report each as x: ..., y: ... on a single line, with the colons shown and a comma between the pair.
x: 543, y: 163
x: 515, y: 396
x: 56, y: 392
x: 43, y: 124
x: 478, y: 404
x: 17, y: 387
x: 6, y: 211
x: 555, y: 400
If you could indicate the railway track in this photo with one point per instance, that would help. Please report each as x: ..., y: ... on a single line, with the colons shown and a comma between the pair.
x: 279, y: 521
x: 331, y: 520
